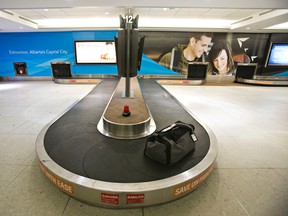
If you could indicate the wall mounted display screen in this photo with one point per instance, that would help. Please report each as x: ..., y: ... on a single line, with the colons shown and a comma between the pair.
x: 20, y: 68
x: 246, y: 70
x: 278, y: 55
x: 95, y: 52
x: 61, y: 69
x: 197, y: 70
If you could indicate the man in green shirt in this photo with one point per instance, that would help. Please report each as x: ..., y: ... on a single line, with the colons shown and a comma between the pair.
x: 181, y: 55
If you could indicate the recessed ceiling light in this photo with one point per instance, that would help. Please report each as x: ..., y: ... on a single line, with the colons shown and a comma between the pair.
x: 46, y: 10
x: 279, y: 26
x: 21, y: 27
x: 166, y: 9
x: 106, y: 13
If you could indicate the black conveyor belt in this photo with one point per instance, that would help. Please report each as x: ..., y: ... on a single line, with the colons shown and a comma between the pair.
x: 74, y: 142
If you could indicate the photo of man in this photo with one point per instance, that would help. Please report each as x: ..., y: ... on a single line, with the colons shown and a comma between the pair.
x: 178, y: 59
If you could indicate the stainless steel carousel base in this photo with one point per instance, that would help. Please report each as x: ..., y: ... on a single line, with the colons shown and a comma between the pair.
x: 126, y: 131
x: 181, y: 82
x: 271, y: 81
x: 76, y: 81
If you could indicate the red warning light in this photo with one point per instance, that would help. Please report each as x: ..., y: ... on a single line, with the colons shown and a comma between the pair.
x: 126, y: 111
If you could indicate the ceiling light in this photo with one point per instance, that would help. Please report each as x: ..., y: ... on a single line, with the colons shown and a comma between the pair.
x: 79, y: 23
x: 279, y: 26
x: 46, y: 10
x: 144, y: 22
x: 166, y: 9
x: 184, y: 23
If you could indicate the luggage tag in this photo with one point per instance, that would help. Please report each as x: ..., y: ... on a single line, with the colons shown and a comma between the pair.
x: 194, y: 137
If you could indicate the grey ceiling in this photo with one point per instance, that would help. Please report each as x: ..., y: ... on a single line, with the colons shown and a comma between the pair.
x: 26, y: 15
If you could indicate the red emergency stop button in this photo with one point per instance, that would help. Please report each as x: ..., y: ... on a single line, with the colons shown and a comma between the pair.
x: 126, y: 111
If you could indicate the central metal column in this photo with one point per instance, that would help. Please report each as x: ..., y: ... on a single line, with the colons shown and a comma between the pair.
x: 128, y: 27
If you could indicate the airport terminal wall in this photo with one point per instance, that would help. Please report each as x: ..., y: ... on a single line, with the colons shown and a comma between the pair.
x: 37, y: 50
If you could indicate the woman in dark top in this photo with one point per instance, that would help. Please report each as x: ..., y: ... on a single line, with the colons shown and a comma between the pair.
x: 220, y: 59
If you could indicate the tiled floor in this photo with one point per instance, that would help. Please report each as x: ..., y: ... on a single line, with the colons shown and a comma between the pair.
x: 251, y: 175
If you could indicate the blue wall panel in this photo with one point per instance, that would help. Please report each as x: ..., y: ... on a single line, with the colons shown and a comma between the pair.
x: 39, y: 49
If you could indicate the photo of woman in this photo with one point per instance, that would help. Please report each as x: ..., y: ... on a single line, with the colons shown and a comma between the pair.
x: 221, y: 60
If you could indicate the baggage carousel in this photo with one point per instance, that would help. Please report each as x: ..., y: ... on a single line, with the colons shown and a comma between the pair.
x: 106, y: 171
x: 265, y: 80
